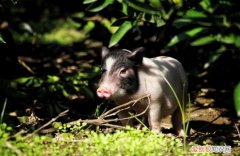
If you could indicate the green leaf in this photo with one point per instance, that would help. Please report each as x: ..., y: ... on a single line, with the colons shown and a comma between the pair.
x: 23, y: 80
x: 195, y: 14
x: 215, y: 56
x: 179, y: 23
x: 176, y: 39
x: 52, y: 79
x: 230, y: 39
x: 155, y: 3
x: 88, y: 1
x: 194, y: 31
x: 1, y: 39
x: 182, y: 36
x: 159, y: 21
x: 236, y: 98
x: 182, y: 22
x: 125, y: 8
x: 118, y: 35
x: 143, y: 7
x: 88, y: 92
x: 237, y: 42
x: 206, y: 5
x: 203, y: 41
x: 152, y: 19
x: 99, y: 5
x: 120, y: 21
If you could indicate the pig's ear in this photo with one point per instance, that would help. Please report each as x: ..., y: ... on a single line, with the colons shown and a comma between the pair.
x: 105, y: 51
x: 137, y: 55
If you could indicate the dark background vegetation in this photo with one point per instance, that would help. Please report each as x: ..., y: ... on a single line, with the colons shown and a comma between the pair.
x: 50, y: 51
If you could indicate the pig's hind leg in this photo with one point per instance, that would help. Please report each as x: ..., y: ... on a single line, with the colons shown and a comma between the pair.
x: 177, y: 122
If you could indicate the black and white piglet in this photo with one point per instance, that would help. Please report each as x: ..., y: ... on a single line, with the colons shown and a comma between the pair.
x: 127, y: 75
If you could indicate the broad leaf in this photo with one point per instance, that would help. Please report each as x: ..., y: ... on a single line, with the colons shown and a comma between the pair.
x: 231, y: 39
x: 182, y: 36
x: 99, y: 5
x: 206, y: 5
x: 155, y: 3
x: 237, y: 42
x: 143, y: 7
x: 203, y: 41
x: 195, y: 14
x: 118, y: 35
x: 179, y: 23
x: 124, y: 8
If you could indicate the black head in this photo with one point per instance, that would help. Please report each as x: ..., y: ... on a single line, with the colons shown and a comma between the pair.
x: 120, y: 68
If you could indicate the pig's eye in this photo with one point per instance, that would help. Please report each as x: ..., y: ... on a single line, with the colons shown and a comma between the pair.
x: 123, y: 72
x: 103, y: 70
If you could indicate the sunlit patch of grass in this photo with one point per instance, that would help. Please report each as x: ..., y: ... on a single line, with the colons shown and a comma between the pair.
x: 63, y: 36
x: 67, y: 32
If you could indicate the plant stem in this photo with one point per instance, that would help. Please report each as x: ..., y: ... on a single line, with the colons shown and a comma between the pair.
x: 3, y: 110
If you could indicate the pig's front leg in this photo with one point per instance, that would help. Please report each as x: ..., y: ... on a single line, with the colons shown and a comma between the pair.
x: 154, y: 117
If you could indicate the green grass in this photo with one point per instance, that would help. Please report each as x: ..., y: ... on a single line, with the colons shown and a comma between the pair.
x: 86, y: 142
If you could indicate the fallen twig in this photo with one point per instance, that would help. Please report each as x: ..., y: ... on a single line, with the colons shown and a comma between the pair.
x: 16, y: 150
x: 209, y: 123
x: 237, y: 130
x: 48, y: 123
x: 21, y: 61
x: 101, y: 120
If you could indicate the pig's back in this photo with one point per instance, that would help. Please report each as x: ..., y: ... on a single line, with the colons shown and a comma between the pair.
x: 153, y: 76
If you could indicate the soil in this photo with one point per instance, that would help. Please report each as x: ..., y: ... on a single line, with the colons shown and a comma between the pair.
x: 210, y: 122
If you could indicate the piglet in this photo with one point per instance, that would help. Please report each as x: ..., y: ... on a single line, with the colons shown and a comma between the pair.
x: 127, y: 75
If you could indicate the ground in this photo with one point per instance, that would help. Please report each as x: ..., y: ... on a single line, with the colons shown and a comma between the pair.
x: 210, y: 123
x: 212, y: 115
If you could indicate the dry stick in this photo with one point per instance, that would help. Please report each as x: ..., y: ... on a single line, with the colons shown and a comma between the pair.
x: 16, y: 150
x: 48, y: 123
x: 116, y: 112
x: 124, y: 105
x: 21, y: 132
x: 105, y: 122
x: 114, y: 126
x: 134, y: 116
x: 237, y: 130
x: 207, y: 124
x: 20, y: 61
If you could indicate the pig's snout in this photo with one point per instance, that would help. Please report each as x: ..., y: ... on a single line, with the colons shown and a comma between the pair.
x: 103, y: 92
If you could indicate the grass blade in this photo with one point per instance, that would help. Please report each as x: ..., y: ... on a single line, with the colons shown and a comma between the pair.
x: 3, y: 110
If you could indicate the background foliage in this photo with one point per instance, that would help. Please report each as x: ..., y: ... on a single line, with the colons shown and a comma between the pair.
x: 207, y: 30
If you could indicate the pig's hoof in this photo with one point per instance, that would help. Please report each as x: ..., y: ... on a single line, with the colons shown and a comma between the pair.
x: 180, y: 133
x: 155, y: 130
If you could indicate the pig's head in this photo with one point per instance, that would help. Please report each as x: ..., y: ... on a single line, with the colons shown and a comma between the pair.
x: 119, y: 73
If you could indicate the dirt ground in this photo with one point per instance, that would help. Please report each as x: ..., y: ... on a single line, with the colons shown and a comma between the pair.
x: 210, y: 122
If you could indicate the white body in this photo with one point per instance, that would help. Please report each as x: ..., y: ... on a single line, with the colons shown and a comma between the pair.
x: 163, y: 101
